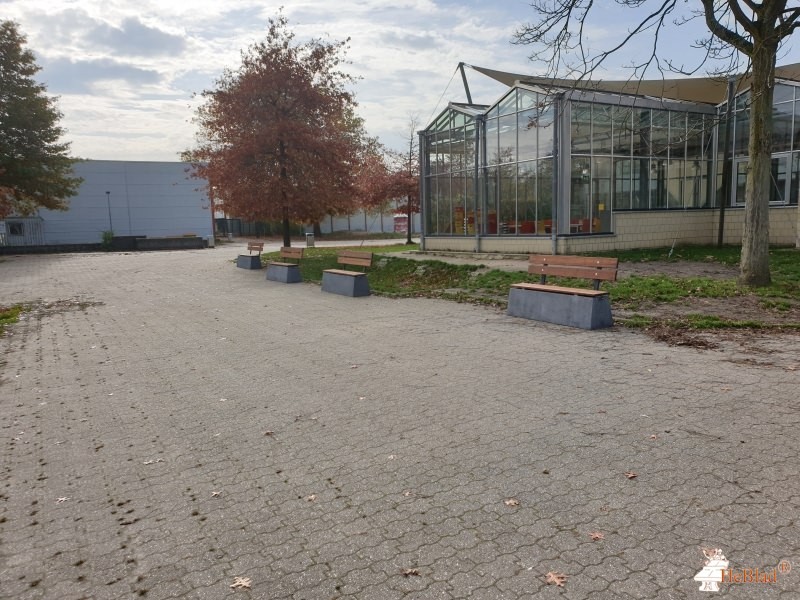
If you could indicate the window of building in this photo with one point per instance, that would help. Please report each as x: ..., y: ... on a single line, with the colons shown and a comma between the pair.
x: 16, y: 228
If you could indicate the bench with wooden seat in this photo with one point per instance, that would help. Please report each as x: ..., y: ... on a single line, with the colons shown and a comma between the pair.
x: 250, y: 260
x: 576, y: 307
x: 348, y: 283
x: 286, y: 272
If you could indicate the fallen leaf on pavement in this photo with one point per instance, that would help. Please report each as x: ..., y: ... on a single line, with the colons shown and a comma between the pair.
x: 62, y: 499
x: 511, y: 502
x: 242, y: 583
x: 410, y: 572
x: 596, y: 536
x: 553, y: 577
x: 311, y: 498
x: 631, y: 475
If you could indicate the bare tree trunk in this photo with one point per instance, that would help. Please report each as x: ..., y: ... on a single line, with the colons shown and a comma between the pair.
x: 317, y: 230
x: 754, y: 268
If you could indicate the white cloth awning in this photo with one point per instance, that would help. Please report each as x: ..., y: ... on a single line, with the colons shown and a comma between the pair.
x: 707, y: 90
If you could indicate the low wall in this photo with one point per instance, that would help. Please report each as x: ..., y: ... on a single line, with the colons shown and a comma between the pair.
x: 178, y: 243
x: 646, y: 229
x: 130, y: 244
x: 54, y: 249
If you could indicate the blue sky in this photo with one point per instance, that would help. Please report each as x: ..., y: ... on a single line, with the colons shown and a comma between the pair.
x: 126, y: 71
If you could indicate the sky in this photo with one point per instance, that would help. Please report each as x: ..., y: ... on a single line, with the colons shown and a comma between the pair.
x: 127, y: 73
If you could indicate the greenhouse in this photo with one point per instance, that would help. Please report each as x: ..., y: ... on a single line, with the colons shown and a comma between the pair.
x: 553, y: 166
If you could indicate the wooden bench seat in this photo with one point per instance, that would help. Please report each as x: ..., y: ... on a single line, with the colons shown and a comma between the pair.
x: 347, y: 282
x: 576, y: 307
x: 250, y: 260
x: 286, y: 272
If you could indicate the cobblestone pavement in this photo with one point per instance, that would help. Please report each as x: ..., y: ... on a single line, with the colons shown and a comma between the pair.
x: 170, y: 423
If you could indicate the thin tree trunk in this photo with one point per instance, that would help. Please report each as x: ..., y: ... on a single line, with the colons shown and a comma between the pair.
x: 754, y: 268
x: 317, y: 230
x: 408, y: 222
x: 287, y: 232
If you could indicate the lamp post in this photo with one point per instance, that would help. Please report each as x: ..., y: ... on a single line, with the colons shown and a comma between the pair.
x: 108, y: 203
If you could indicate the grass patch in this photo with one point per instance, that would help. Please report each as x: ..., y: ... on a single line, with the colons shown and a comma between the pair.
x: 401, y: 277
x: 726, y: 255
x: 636, y: 321
x: 636, y: 290
x: 9, y: 315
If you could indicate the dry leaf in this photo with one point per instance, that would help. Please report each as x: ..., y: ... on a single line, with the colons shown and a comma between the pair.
x: 631, y: 475
x: 62, y: 499
x: 242, y: 583
x: 362, y: 398
x: 511, y: 502
x: 216, y: 494
x: 654, y: 437
x: 392, y: 457
x: 410, y: 572
x: 553, y: 577
x: 311, y: 498
x: 268, y: 432
x: 407, y: 493
x: 596, y: 536
x: 353, y: 366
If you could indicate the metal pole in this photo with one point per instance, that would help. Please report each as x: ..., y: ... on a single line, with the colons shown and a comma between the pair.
x: 108, y: 203
x: 556, y: 172
x: 424, y: 172
x: 464, y: 79
x: 727, y: 163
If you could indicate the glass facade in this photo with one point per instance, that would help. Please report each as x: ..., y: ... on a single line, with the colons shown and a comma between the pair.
x: 490, y: 170
x: 785, y: 146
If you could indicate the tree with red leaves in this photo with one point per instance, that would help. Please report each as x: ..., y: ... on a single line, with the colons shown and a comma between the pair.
x: 278, y: 138
x: 385, y: 175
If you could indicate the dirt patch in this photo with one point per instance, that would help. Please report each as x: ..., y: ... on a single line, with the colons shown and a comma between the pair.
x: 747, y: 307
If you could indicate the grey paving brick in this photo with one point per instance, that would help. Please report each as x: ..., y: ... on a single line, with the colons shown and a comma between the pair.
x: 141, y: 387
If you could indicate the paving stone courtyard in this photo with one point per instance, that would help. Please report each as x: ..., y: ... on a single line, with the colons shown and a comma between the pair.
x: 174, y: 427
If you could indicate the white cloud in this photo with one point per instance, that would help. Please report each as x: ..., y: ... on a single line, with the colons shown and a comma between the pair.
x: 126, y: 72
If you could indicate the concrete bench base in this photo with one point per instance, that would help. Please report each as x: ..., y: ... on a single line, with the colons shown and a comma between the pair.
x: 284, y: 273
x: 249, y: 261
x: 352, y: 284
x: 563, y: 309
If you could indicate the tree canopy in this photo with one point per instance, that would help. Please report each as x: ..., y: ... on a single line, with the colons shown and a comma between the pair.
x: 278, y: 137
x: 35, y: 167
x: 743, y: 34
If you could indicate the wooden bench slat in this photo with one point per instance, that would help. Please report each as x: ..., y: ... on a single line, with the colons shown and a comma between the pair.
x: 289, y: 252
x: 579, y: 272
x: 578, y: 261
x: 559, y: 289
x: 355, y: 258
x: 275, y: 263
x: 343, y: 272
x: 257, y: 246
